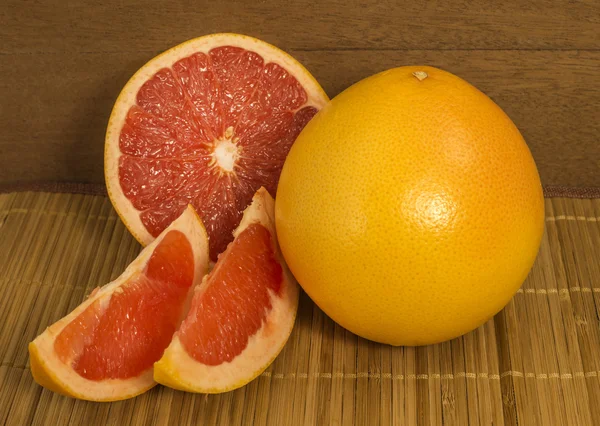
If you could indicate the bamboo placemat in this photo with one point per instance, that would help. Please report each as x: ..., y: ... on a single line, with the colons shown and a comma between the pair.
x: 535, y: 363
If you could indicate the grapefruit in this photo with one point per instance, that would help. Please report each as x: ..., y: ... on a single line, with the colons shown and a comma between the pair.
x: 205, y: 123
x: 241, y: 315
x: 427, y: 213
x: 105, y: 349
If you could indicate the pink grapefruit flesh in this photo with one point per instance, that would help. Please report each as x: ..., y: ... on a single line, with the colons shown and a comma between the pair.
x: 236, y: 300
x: 126, y: 337
x: 209, y: 131
x: 241, y: 315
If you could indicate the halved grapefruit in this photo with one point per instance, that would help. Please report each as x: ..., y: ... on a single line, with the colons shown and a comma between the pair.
x: 206, y: 123
x: 105, y: 349
x: 241, y: 315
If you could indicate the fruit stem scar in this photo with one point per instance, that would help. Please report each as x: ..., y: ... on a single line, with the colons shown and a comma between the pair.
x: 420, y: 75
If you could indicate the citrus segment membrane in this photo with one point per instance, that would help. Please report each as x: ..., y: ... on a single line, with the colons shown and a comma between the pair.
x: 209, y: 131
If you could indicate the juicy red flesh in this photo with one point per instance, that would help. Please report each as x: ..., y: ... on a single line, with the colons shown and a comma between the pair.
x: 131, y: 333
x: 234, y: 302
x: 168, y: 138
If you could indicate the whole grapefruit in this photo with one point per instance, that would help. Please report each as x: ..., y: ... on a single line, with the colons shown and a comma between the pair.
x: 410, y: 208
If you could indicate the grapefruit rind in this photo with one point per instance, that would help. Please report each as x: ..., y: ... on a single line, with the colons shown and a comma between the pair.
x: 178, y: 370
x: 316, y: 97
x: 50, y: 372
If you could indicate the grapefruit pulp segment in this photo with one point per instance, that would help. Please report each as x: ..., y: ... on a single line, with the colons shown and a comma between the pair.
x: 235, y: 301
x: 241, y: 315
x: 105, y: 349
x: 125, y: 337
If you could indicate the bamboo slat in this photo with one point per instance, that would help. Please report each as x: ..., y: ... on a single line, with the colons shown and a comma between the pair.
x: 536, y: 362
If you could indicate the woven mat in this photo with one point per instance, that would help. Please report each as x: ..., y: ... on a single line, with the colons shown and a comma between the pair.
x: 535, y: 363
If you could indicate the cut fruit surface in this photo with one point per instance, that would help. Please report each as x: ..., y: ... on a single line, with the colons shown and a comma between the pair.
x: 241, y: 315
x: 206, y: 123
x: 105, y: 349
x: 236, y: 304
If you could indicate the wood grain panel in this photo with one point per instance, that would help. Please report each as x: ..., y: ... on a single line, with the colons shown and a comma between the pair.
x: 54, y: 107
x: 62, y: 65
x: 138, y: 25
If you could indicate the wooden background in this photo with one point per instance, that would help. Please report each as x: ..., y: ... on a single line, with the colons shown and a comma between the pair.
x: 63, y: 63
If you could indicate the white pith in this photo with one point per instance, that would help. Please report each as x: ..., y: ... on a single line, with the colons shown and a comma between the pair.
x: 130, y: 215
x: 225, y: 154
x: 104, y: 390
x: 184, y: 372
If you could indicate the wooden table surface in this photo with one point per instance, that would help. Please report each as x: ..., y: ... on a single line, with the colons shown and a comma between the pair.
x: 63, y: 64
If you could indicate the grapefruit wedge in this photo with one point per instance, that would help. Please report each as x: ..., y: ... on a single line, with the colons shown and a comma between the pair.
x: 105, y: 349
x: 241, y: 315
x: 205, y: 123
